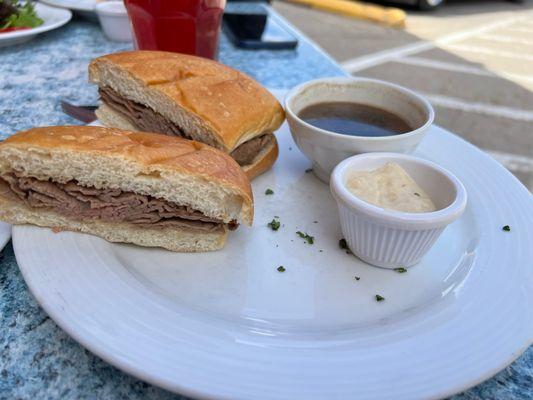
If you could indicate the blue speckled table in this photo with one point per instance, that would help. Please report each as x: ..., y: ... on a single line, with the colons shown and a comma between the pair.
x: 37, y: 359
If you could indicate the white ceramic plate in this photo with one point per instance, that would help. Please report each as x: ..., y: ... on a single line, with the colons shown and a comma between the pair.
x: 228, y: 325
x: 81, y: 7
x: 5, y: 234
x: 53, y: 18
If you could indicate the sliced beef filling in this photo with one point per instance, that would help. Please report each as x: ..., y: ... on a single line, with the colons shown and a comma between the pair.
x: 246, y: 152
x: 148, y: 120
x: 111, y: 205
x: 142, y: 117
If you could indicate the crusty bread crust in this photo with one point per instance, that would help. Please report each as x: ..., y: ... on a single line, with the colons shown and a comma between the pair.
x: 217, y: 104
x: 174, y: 239
x: 178, y: 170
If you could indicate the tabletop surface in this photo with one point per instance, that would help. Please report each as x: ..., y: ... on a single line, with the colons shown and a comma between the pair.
x: 37, y: 359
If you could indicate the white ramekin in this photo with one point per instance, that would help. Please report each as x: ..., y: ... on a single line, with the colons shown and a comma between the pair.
x: 388, y: 238
x: 114, y: 20
x: 325, y: 148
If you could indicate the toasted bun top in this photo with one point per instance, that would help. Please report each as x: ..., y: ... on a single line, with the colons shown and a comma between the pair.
x: 151, y: 155
x: 232, y: 104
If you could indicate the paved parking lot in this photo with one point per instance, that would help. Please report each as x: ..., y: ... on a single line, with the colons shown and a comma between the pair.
x: 472, y: 59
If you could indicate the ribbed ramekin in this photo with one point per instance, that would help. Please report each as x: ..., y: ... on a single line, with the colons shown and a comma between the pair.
x: 389, y: 238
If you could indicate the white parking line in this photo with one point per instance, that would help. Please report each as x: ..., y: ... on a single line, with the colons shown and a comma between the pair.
x: 506, y: 39
x: 490, y: 52
x: 371, y: 60
x: 364, y: 62
x: 480, y: 108
x: 513, y: 162
x: 467, y: 69
x: 442, y: 65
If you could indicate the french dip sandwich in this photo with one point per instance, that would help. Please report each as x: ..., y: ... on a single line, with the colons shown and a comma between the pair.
x: 134, y: 187
x: 190, y: 97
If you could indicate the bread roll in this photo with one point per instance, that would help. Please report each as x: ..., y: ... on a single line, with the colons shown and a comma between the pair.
x: 199, y: 191
x: 190, y: 96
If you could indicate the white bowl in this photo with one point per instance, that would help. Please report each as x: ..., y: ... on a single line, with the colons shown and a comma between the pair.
x: 325, y: 148
x: 388, y: 238
x: 114, y: 20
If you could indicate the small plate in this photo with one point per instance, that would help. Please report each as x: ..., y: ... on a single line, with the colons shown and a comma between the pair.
x: 228, y: 325
x: 53, y: 18
x: 84, y: 8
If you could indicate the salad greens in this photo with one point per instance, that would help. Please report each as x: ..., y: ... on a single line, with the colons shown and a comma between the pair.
x: 17, y: 14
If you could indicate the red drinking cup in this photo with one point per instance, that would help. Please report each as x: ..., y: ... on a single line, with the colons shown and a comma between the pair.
x: 182, y: 26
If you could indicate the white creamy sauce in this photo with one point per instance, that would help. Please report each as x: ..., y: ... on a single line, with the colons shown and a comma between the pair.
x: 391, y: 187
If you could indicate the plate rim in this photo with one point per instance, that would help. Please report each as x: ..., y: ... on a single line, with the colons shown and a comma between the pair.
x: 177, y: 386
x: 5, y: 234
x: 61, y: 4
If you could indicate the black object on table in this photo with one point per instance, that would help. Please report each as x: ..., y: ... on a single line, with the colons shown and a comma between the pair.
x: 247, y: 25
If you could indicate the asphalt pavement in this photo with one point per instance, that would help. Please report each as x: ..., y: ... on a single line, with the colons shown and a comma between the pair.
x: 472, y: 59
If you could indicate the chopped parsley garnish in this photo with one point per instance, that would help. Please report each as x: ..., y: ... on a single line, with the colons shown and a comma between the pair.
x: 344, y: 245
x: 308, y: 170
x: 274, y: 224
x: 281, y: 268
x: 400, y: 270
x: 379, y: 297
x: 357, y: 278
x: 306, y: 237
x: 506, y: 228
x: 269, y: 191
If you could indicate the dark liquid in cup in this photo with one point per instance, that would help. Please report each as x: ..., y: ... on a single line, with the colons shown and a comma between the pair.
x: 354, y: 119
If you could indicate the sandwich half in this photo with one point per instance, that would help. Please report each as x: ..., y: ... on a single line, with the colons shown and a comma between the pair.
x: 190, y: 97
x: 134, y: 187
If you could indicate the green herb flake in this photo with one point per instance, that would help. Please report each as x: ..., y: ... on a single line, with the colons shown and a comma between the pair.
x: 310, y: 239
x: 506, y: 228
x: 379, y: 298
x: 400, y: 270
x: 417, y: 194
x: 281, y: 268
x: 274, y: 224
x: 269, y: 191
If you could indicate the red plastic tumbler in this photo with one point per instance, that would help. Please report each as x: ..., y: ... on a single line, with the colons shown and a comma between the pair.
x: 182, y: 26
